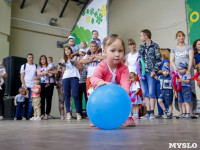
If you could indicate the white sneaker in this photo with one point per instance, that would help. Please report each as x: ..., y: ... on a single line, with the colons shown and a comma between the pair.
x: 1, y: 117
x: 15, y: 118
x: 79, y: 117
x: 165, y: 116
x: 152, y: 116
x: 33, y: 118
x: 23, y: 118
x: 37, y: 118
x: 68, y: 116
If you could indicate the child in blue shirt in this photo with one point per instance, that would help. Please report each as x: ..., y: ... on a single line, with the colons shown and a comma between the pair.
x: 166, y: 92
x: 20, y: 103
x: 71, y: 41
x: 185, y: 94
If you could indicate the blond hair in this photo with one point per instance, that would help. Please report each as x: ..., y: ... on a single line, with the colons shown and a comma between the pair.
x: 37, y: 78
x: 165, y: 53
x: 111, y: 39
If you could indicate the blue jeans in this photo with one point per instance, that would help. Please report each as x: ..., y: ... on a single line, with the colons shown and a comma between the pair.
x: 148, y: 86
x: 68, y: 85
x: 160, y: 111
x: 20, y: 109
x: 185, y: 95
x: 30, y: 107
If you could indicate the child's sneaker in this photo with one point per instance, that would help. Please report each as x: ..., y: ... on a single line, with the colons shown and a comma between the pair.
x: 79, y: 117
x: 166, y: 114
x: 169, y: 117
x: 33, y: 118
x: 187, y: 116
x: 152, y: 116
x: 23, y: 118
x: 129, y: 122
x: 183, y: 116
x: 62, y: 117
x: 15, y: 118
x: 145, y: 116
x: 37, y: 118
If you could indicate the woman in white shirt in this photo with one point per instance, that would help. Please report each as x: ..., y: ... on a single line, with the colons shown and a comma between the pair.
x: 70, y: 81
x: 131, y: 58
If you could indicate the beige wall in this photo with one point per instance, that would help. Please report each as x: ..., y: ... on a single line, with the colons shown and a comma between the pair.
x: 5, y: 9
x: 163, y: 17
x: 38, y: 39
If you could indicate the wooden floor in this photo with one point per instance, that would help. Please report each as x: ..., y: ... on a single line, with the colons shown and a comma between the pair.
x: 77, y: 135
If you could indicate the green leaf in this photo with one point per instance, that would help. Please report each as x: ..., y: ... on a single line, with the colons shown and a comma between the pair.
x: 88, y: 11
x: 92, y: 21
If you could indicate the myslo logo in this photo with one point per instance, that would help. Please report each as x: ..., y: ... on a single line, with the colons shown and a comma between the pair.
x: 183, y: 145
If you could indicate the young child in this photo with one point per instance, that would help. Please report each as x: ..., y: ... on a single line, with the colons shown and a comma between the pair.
x: 71, y: 41
x: 165, y: 54
x: 166, y: 92
x: 20, y: 104
x: 92, y: 59
x: 95, y: 38
x: 152, y: 58
x: 84, y: 47
x: 50, y: 67
x: 2, y: 72
x: 136, y: 100
x: 36, y: 99
x: 185, y: 94
x: 112, y: 69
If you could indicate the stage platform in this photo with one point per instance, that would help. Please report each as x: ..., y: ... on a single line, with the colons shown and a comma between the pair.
x: 77, y: 135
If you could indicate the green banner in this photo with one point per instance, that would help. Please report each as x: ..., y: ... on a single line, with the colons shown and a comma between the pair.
x: 193, y: 12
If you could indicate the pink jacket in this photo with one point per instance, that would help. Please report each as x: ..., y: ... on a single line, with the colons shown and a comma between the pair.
x: 102, y: 72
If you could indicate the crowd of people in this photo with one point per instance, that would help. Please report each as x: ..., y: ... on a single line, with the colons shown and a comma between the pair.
x: 81, y: 70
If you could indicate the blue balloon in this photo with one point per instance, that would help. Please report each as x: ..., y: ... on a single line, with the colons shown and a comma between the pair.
x: 109, y: 106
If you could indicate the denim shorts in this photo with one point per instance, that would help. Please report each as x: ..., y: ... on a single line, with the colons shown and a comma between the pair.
x: 167, y: 96
x: 148, y: 86
x: 185, y: 95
